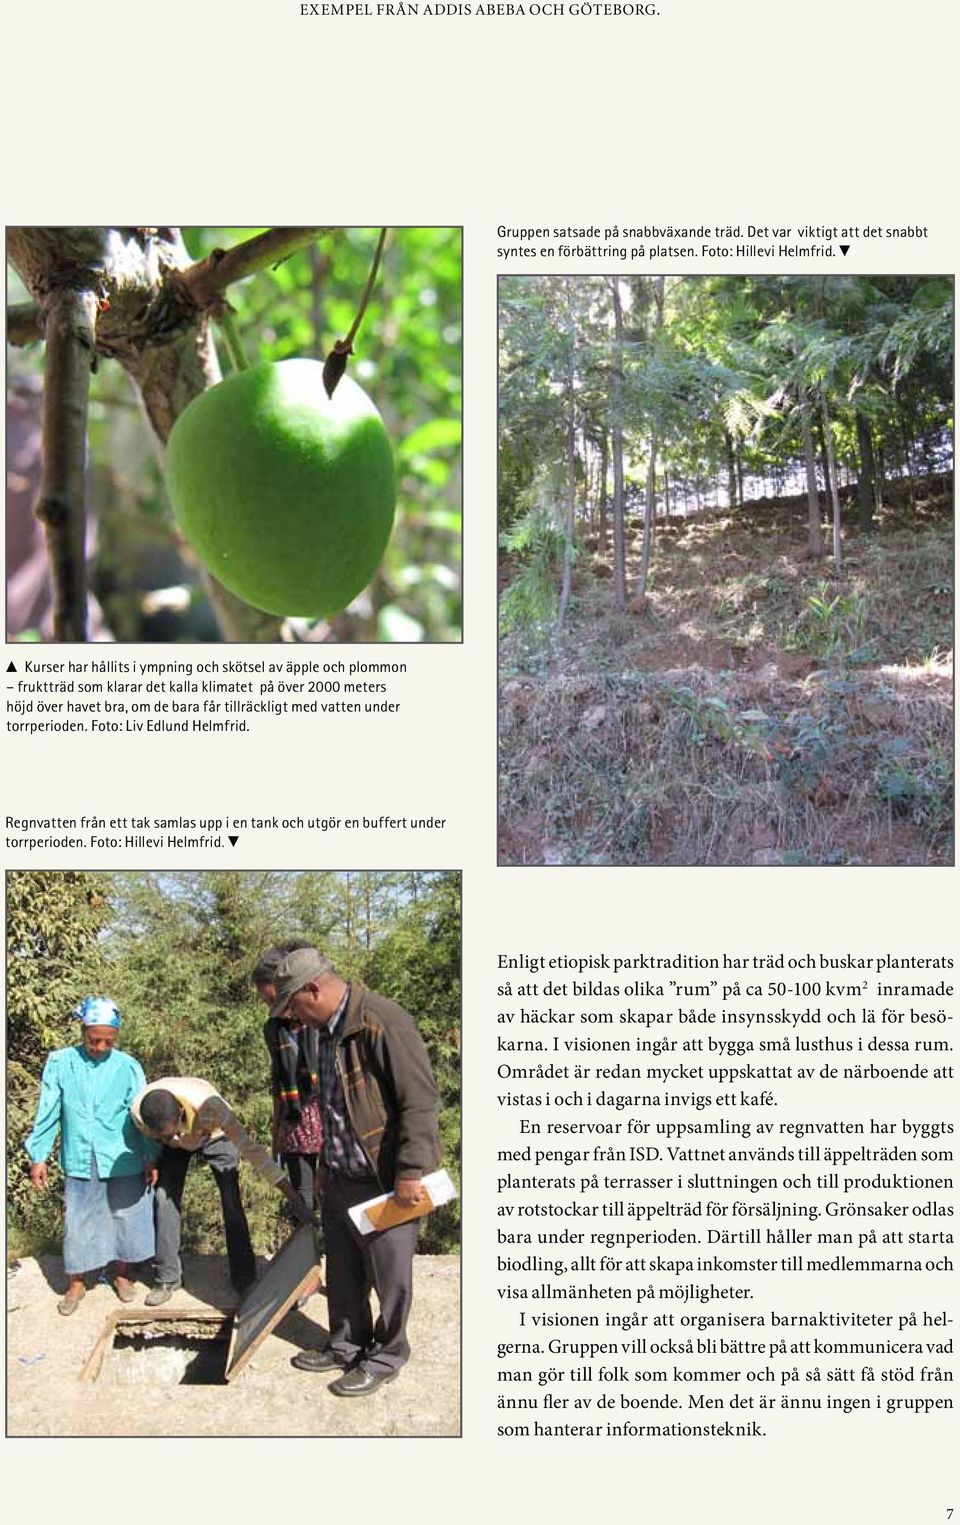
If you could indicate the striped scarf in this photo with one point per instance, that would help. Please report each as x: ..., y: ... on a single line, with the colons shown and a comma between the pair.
x: 294, y: 1066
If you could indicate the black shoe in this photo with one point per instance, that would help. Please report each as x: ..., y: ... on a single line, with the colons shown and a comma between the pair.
x: 318, y: 1360
x: 359, y: 1382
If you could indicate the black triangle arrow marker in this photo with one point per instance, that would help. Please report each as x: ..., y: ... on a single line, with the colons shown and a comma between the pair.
x: 11, y: 667
x: 232, y: 840
x: 844, y: 248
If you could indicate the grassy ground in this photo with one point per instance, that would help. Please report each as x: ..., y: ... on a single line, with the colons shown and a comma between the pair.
x: 752, y: 709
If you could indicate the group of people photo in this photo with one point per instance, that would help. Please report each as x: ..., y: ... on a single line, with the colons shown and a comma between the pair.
x: 354, y: 1114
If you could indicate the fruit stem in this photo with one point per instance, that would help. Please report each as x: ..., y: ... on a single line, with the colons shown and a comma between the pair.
x: 231, y: 340
x: 348, y: 342
x: 336, y: 362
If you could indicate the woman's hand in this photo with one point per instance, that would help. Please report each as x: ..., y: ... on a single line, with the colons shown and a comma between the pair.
x: 38, y: 1175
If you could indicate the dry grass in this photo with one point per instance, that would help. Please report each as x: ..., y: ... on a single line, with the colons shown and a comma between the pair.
x: 753, y: 711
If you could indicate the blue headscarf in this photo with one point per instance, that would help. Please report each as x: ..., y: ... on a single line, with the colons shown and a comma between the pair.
x: 98, y: 1011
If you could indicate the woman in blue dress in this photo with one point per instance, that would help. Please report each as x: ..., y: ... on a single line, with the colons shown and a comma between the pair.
x: 85, y: 1095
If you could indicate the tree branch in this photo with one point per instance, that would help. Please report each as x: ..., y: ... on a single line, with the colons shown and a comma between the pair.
x: 153, y: 322
x: 208, y: 278
x: 70, y: 333
x: 24, y: 324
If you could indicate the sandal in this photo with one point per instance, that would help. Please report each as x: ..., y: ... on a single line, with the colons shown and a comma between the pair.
x: 125, y: 1290
x: 70, y: 1302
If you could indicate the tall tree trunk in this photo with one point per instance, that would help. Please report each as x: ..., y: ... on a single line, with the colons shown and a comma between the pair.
x: 881, y: 465
x: 834, y: 490
x: 604, y: 462
x: 616, y: 439
x: 648, y: 508
x: 814, y: 525
x: 908, y: 463
x: 825, y: 466
x: 587, y: 499
x: 731, y: 471
x: 666, y: 494
x: 928, y: 452
x: 571, y: 508
x: 866, y: 484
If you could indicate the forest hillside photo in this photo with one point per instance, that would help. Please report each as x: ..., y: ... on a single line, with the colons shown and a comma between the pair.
x: 726, y: 570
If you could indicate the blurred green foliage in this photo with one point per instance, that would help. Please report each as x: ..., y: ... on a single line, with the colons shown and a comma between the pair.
x: 175, y: 951
x: 407, y: 357
x: 53, y: 922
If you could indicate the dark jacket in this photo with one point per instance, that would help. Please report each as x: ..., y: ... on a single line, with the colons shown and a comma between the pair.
x: 388, y: 1087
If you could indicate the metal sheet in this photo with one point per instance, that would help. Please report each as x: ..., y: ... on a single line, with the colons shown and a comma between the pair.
x: 287, y: 1276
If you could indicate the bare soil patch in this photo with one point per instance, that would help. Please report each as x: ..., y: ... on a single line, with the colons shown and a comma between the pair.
x: 45, y: 1353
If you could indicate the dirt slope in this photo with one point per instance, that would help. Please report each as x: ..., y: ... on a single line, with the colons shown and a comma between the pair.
x: 752, y: 708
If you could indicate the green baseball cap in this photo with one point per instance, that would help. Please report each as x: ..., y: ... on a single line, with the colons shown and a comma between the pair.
x: 295, y: 971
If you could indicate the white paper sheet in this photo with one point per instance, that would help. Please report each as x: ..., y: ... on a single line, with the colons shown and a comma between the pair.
x: 437, y: 1185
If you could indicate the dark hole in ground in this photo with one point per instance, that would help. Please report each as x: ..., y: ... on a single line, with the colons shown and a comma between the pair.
x: 179, y: 1359
x: 171, y: 1359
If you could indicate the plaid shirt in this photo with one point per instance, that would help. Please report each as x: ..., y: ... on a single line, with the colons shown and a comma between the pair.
x: 341, y: 1149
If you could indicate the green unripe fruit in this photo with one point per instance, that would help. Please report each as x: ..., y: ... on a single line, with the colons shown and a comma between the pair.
x: 286, y: 495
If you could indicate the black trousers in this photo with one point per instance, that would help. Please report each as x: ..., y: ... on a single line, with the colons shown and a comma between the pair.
x: 224, y: 1161
x: 355, y: 1265
x: 302, y: 1170
x: 306, y: 1177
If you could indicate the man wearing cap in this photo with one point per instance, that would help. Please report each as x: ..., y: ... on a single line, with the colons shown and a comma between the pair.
x: 187, y: 1116
x: 297, y: 1131
x: 380, y: 1134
